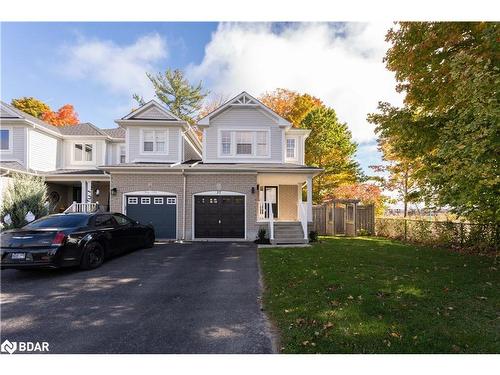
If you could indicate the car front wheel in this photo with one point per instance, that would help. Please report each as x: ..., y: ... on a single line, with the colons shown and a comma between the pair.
x: 150, y: 239
x: 93, y: 256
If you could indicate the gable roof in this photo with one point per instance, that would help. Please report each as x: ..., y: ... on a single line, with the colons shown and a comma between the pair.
x: 243, y: 99
x: 81, y: 129
x: 10, y: 112
x: 152, y: 110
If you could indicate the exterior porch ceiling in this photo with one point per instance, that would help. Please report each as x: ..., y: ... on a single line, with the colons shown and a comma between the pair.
x: 282, y: 178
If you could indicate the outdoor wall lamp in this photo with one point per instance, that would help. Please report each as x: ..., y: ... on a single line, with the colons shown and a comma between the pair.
x: 97, y: 192
x: 253, y: 189
x: 113, y: 191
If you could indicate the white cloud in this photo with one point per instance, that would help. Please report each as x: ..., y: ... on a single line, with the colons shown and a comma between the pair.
x: 118, y: 68
x: 341, y: 64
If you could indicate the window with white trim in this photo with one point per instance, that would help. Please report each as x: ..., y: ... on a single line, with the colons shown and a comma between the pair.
x: 122, y: 154
x: 154, y: 141
x: 145, y: 200
x: 244, y: 143
x: 83, y: 152
x: 5, y: 139
x: 132, y: 200
x: 291, y: 148
x: 171, y: 200
x: 261, y: 141
x: 225, y: 142
x: 158, y: 200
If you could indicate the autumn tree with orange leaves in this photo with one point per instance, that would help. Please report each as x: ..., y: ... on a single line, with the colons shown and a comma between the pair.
x: 367, y: 193
x: 65, y: 115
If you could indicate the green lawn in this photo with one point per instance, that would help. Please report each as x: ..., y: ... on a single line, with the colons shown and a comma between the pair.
x: 369, y: 295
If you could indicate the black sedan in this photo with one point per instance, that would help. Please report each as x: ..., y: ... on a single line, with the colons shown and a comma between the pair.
x: 73, y: 239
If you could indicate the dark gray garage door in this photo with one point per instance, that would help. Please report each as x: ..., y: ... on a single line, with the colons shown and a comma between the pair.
x: 219, y: 216
x: 159, y: 210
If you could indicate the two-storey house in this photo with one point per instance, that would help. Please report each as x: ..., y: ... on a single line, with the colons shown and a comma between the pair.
x: 246, y: 173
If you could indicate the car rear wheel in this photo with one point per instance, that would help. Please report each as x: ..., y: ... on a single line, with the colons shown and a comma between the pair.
x: 150, y: 239
x: 93, y: 256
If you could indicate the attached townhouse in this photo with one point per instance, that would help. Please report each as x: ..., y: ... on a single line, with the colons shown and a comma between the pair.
x: 246, y: 173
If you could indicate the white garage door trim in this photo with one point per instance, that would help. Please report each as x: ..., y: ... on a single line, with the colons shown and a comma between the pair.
x: 153, y: 192
x: 224, y: 192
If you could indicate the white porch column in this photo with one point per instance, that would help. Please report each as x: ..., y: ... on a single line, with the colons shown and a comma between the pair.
x: 89, y: 192
x: 84, y: 191
x: 309, y: 198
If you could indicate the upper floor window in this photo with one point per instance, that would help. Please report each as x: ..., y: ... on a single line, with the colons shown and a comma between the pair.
x: 5, y: 140
x: 83, y: 152
x: 122, y: 154
x: 226, y: 142
x: 291, y: 148
x: 244, y: 143
x: 154, y: 141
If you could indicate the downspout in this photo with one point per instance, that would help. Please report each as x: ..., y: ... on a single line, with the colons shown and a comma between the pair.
x: 183, y: 206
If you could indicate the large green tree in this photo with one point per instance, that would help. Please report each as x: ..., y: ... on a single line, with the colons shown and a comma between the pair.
x: 451, y: 115
x: 181, y: 97
x: 329, y: 146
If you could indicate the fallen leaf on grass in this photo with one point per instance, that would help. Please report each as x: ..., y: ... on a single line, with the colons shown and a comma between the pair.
x: 482, y: 298
x: 350, y: 297
x: 328, y: 325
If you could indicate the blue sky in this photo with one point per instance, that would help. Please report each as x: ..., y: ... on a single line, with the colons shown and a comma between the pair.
x: 97, y: 66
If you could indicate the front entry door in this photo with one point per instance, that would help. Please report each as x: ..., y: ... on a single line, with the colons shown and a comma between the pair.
x: 271, y: 195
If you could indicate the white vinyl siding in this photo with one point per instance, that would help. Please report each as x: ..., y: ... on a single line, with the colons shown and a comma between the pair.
x: 243, y: 119
x: 98, y: 153
x: 43, y: 153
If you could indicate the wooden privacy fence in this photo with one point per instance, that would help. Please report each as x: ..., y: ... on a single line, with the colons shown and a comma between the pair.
x: 440, y: 233
x: 343, y: 217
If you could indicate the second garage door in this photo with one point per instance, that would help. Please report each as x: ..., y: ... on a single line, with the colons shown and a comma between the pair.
x: 219, y: 216
x: 160, y: 211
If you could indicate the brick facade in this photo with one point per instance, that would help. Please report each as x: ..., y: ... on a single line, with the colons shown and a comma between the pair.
x: 195, y: 183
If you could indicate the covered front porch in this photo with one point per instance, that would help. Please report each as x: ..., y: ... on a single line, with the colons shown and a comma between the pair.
x: 78, y: 193
x: 284, y: 206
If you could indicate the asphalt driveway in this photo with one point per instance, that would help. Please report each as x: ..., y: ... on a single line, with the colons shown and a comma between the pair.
x: 173, y: 298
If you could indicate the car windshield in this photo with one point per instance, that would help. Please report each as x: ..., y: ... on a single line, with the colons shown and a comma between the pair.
x: 63, y: 221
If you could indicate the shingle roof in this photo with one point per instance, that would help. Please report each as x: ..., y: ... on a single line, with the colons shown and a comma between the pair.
x: 14, y: 166
x: 114, y: 132
x: 31, y: 118
x: 81, y: 129
x: 74, y: 171
x: 193, y: 166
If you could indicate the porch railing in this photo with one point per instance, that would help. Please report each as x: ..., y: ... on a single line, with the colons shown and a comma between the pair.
x: 265, y: 213
x: 303, y: 217
x: 82, y: 207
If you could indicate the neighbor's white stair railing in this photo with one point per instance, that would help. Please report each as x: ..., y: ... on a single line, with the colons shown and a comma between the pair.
x: 82, y: 207
x: 303, y: 217
x: 265, y: 213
